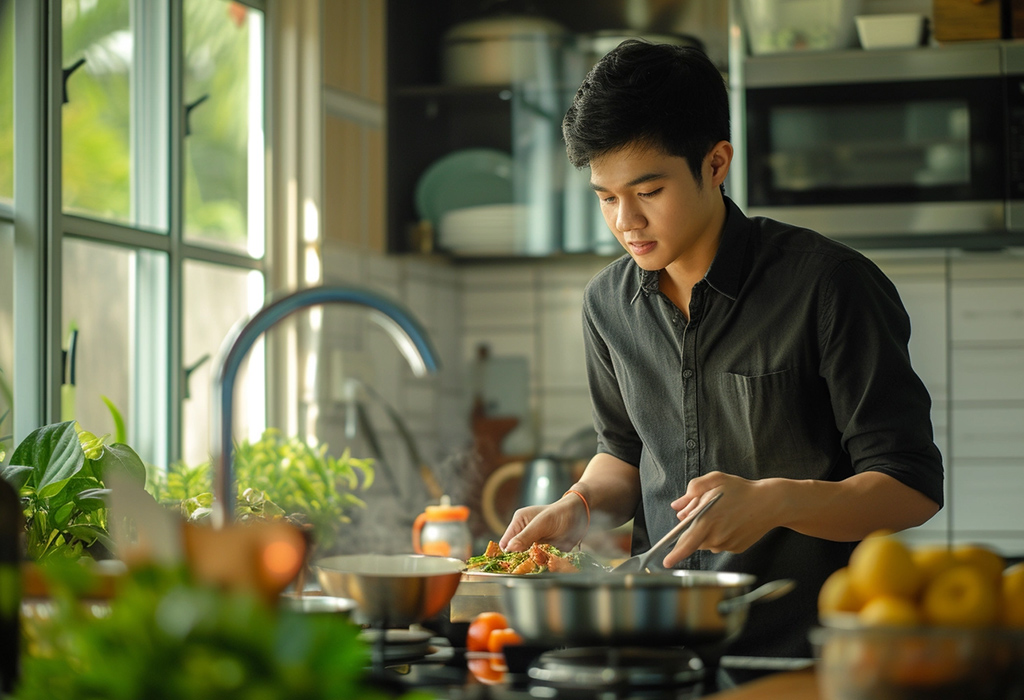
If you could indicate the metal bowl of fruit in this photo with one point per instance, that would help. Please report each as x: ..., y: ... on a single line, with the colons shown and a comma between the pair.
x: 857, y: 662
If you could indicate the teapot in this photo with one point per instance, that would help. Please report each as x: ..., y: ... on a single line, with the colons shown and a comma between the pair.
x: 443, y: 530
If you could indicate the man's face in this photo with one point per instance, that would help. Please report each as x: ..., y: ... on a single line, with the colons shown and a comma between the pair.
x: 653, y: 205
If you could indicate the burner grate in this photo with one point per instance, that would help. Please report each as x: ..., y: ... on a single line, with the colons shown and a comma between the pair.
x: 610, y: 673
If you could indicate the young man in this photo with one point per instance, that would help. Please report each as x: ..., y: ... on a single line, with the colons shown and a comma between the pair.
x: 730, y: 355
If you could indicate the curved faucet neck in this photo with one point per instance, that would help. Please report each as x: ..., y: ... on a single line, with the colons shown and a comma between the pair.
x: 405, y: 330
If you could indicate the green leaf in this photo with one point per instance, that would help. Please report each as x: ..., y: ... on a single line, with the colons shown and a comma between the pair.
x: 89, y: 534
x: 16, y: 476
x: 122, y: 459
x: 62, y: 515
x: 54, y: 453
x: 91, y: 500
x: 92, y: 446
x: 120, y: 434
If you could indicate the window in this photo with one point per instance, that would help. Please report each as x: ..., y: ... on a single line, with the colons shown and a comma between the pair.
x: 6, y: 104
x: 224, y: 148
x: 161, y: 237
x: 205, y: 327
x: 99, y: 61
x: 6, y: 334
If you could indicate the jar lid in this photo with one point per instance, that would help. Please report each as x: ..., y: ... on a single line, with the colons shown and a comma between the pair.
x: 446, y: 512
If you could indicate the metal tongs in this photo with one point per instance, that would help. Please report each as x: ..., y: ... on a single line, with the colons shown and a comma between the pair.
x: 642, y: 562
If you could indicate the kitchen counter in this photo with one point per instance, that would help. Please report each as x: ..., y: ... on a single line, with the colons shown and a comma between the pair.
x: 786, y: 685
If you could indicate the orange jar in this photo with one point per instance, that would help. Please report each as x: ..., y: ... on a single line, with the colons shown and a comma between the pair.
x: 443, y: 530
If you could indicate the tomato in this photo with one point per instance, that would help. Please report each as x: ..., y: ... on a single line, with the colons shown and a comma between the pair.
x: 485, y: 671
x: 480, y: 630
x: 500, y: 638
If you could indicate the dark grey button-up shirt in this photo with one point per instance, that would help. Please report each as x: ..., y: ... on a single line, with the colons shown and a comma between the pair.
x: 793, y: 364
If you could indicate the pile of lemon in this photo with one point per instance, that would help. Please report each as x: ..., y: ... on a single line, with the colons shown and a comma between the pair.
x: 888, y: 583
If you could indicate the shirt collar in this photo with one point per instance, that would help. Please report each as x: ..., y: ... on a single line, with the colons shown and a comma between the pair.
x: 727, y: 269
x: 726, y: 272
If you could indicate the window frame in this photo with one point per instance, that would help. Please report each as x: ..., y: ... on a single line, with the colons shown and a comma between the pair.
x: 41, y: 226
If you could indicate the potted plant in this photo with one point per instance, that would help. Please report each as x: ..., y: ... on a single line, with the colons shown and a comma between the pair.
x: 58, y: 471
x: 277, y: 477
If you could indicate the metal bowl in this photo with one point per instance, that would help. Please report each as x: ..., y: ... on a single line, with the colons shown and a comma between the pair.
x: 391, y: 590
x: 856, y: 662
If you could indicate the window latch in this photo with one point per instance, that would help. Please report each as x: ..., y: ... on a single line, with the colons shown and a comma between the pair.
x: 188, y: 112
x: 67, y: 74
x: 188, y: 374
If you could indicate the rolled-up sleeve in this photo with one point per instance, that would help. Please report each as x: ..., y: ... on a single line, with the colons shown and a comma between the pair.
x: 880, y: 404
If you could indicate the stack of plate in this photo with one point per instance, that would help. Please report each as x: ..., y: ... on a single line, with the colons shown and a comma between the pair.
x: 467, y: 198
x: 490, y: 229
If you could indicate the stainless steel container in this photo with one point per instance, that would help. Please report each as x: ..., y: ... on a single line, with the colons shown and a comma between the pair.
x: 393, y: 590
x: 500, y: 50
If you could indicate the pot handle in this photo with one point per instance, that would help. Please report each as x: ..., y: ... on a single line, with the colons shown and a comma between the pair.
x: 764, y: 592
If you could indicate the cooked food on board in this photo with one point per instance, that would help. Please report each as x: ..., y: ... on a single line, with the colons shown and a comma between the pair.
x: 537, y: 559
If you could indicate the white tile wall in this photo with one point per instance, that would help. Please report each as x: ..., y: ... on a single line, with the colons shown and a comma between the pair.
x: 987, y: 366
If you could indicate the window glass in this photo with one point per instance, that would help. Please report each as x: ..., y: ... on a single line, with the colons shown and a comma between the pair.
x: 114, y: 334
x: 6, y: 105
x: 96, y: 113
x: 238, y: 294
x: 223, y: 85
x: 6, y: 336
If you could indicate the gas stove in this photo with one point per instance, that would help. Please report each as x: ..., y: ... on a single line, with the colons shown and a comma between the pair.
x: 432, y: 664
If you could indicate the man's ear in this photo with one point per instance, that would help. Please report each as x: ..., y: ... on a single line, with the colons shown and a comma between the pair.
x: 718, y: 160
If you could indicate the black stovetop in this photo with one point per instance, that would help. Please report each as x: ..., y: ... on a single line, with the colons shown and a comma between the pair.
x: 444, y: 673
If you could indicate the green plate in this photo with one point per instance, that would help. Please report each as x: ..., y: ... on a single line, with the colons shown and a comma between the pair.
x: 466, y: 178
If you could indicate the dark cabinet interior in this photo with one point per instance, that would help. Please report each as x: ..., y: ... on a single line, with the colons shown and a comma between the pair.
x: 429, y: 118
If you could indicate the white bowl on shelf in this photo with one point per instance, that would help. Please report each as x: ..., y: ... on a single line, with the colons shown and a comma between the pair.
x: 890, y: 31
x: 493, y: 229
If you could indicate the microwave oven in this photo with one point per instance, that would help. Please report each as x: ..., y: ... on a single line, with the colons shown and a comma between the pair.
x: 897, y: 142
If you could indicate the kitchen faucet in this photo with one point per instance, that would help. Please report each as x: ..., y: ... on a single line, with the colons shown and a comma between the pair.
x: 410, y: 337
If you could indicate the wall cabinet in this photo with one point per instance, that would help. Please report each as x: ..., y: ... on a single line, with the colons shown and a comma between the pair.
x: 552, y: 209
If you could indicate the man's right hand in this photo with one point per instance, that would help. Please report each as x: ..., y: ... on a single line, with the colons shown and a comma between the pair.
x: 562, y: 524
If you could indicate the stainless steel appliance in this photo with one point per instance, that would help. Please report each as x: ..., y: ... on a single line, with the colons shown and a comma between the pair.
x: 904, y: 142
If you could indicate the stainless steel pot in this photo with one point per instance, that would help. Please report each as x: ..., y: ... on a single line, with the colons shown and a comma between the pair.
x: 500, y: 50
x: 693, y: 608
x: 391, y: 590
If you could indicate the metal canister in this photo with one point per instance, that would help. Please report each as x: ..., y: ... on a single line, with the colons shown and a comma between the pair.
x: 443, y: 530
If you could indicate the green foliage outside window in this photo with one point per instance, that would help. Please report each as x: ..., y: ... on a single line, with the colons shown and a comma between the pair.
x: 6, y: 99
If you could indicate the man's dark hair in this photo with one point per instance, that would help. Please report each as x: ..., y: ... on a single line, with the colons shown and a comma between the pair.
x: 657, y: 95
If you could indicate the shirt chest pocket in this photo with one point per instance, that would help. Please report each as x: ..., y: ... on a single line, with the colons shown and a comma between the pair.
x: 771, y: 425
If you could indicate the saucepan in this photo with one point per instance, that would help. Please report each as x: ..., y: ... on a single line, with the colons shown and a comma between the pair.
x: 678, y: 607
x: 391, y: 590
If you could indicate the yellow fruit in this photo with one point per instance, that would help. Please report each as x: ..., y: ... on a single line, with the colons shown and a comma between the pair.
x: 882, y: 565
x: 982, y: 558
x: 837, y: 594
x: 962, y: 596
x: 1013, y: 596
x: 882, y: 533
x: 887, y: 610
x: 932, y: 560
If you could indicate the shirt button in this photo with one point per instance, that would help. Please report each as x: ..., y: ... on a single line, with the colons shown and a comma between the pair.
x: 691, y: 443
x: 687, y: 373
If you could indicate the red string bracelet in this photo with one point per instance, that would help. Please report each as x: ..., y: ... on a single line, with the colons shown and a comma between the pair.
x: 585, y: 504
